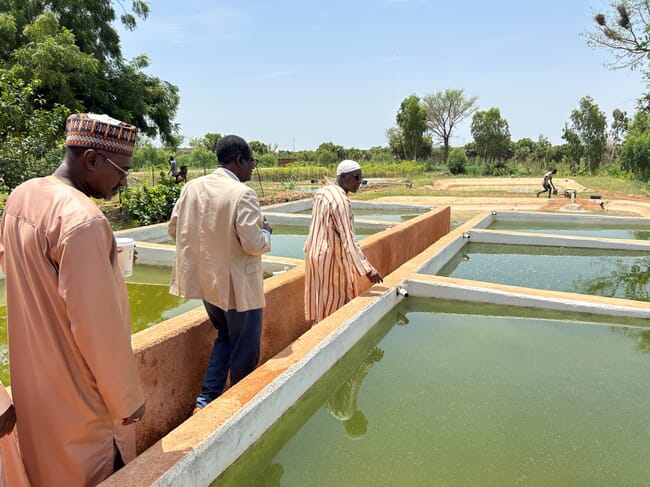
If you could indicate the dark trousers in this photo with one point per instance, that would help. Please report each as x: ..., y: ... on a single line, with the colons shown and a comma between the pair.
x: 236, y: 349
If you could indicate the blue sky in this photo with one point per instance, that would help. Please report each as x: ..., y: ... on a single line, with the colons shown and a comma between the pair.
x: 298, y: 73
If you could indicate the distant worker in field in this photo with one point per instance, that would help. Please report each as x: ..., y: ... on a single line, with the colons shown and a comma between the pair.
x: 173, y: 168
x: 547, y: 183
x: 181, y: 177
x: 332, y: 255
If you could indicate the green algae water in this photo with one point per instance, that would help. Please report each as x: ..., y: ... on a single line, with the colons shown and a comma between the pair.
x: 609, y: 273
x: 149, y: 302
x: 599, y: 230
x: 289, y: 240
x: 383, y: 214
x: 453, y: 393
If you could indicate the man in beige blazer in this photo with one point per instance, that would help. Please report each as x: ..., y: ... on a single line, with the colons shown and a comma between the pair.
x: 220, y: 238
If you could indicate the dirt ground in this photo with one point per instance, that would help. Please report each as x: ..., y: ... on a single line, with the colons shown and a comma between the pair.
x: 523, y: 198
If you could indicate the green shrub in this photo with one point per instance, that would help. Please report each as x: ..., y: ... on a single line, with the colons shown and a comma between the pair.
x: 199, y: 158
x: 293, y: 172
x: 457, y: 161
x: 148, y: 205
x: 268, y: 160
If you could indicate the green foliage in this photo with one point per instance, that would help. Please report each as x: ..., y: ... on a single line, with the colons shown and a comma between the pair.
x: 329, y: 147
x: 30, y: 136
x: 260, y: 148
x: 444, y: 111
x: 585, y: 135
x: 148, y: 205
x: 49, y: 56
x: 491, y: 135
x: 411, y: 119
x: 635, y: 155
x: 210, y: 141
x: 289, y: 185
x: 71, y: 52
x: 267, y: 160
x: 457, y: 161
x: 327, y: 158
x: 402, y: 169
x: 293, y: 172
x: 147, y: 157
x: 199, y: 158
x: 370, y: 170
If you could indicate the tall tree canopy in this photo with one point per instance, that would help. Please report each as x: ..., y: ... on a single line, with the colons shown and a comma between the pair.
x: 587, y: 130
x: 625, y: 31
x: 411, y: 119
x: 71, y: 50
x: 491, y: 134
x: 444, y: 111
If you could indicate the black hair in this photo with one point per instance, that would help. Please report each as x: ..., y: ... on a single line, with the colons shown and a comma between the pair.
x: 553, y: 170
x: 76, y: 151
x: 231, y: 146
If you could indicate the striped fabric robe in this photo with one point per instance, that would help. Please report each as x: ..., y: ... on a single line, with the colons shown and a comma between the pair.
x: 332, y: 256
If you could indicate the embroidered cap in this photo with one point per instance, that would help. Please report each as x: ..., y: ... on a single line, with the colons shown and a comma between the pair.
x: 101, y: 132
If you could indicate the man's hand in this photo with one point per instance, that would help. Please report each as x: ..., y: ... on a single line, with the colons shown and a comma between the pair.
x: 374, y: 276
x: 7, y: 421
x: 135, y: 417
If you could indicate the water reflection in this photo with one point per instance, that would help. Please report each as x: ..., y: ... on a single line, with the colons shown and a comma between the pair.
x: 630, y: 281
x: 603, y: 272
x: 343, y: 403
x: 640, y: 338
x: 261, y: 465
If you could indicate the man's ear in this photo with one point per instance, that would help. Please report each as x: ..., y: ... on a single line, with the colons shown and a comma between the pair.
x: 89, y: 158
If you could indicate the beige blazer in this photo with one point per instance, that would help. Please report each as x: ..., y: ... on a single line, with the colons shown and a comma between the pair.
x: 217, y: 225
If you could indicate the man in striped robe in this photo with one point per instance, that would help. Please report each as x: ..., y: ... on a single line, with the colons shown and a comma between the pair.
x: 332, y: 256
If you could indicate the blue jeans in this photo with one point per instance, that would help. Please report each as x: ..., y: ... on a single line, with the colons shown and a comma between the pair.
x: 236, y: 348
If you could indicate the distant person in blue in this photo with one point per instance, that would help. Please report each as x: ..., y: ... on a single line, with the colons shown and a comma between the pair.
x: 173, y: 168
x: 547, y: 183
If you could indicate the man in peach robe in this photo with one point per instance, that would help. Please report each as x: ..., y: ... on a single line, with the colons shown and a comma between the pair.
x: 12, y: 472
x: 74, y: 377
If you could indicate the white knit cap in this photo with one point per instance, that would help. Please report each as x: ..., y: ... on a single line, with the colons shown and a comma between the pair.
x: 347, y: 166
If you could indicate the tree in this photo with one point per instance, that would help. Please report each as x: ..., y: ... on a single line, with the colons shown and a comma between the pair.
x: 618, y: 128
x: 259, y: 148
x: 445, y: 110
x: 620, y: 120
x: 543, y: 150
x: 331, y: 148
x: 588, y: 124
x: 73, y: 52
x: 396, y: 142
x: 457, y: 161
x: 491, y: 134
x: 635, y: 153
x: 411, y: 119
x: 573, y: 149
x: 30, y: 136
x: 627, y: 36
x: 210, y: 141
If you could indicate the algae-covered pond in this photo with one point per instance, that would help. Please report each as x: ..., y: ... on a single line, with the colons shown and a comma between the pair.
x: 453, y: 393
x: 149, y: 301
